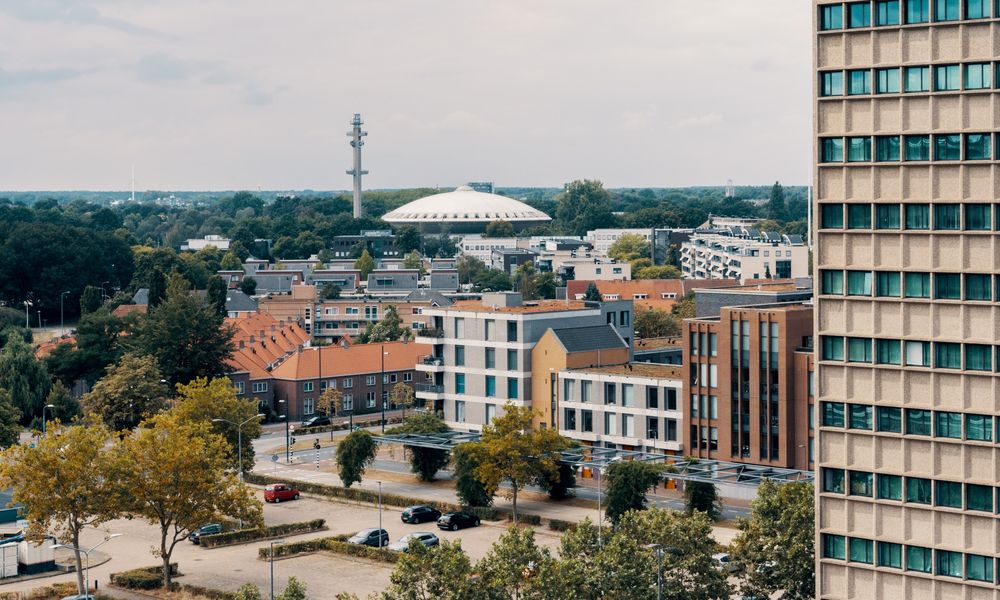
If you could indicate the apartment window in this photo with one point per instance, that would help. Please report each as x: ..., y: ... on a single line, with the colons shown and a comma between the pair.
x: 307, y: 386
x: 978, y: 497
x: 946, y: 10
x: 978, y: 357
x: 833, y: 480
x: 459, y: 356
x: 918, y: 147
x: 831, y: 17
x: 587, y: 421
x: 491, y: 386
x: 512, y: 388
x: 308, y: 406
x: 859, y: 82
x: 671, y: 427
x: 670, y: 396
x: 585, y: 387
x: 917, y: 79
x: 459, y: 327
x: 947, y: 147
x: 241, y: 387
x: 887, y: 82
x: 947, y: 286
x: 609, y: 393
x: 860, y: 484
x: 511, y: 331
x: 917, y: 285
x: 978, y: 217
x: 407, y: 377
x: 947, y: 78
x: 569, y: 390
x: 259, y: 387
x: 713, y: 347
x: 978, y: 76
x: 491, y: 413
x: 918, y: 490
x: 370, y: 398
x: 890, y: 555
x: 832, y: 150
x: 569, y: 419
x: 979, y: 568
x: 918, y: 422
x: 832, y: 83
x: 833, y: 414
x: 918, y: 559
x: 888, y: 352
x: 833, y: 348
x: 834, y: 546
x: 859, y: 216
x: 348, y: 401
x: 918, y: 11
x: 887, y: 285
x: 949, y: 564
x: 977, y: 9
x: 859, y: 14
x: 459, y: 383
x: 859, y: 149
x: 511, y: 360
x: 859, y: 283
x: 628, y: 395
x: 890, y: 487
x: 832, y: 216
x: 918, y: 354
x: 460, y: 411
x: 861, y: 551
x: 948, y: 494
x: 370, y: 380
x: 348, y: 382
x: 860, y: 417
x: 610, y: 423
x: 859, y: 350
x: 918, y: 216
x: 948, y: 425
x: 490, y: 358
x: 490, y: 330
x: 887, y: 148
x: 886, y: 12
x: 947, y: 355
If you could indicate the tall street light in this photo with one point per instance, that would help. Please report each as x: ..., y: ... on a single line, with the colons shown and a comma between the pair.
x: 658, y: 549
x: 62, y: 319
x: 86, y: 552
x: 239, y: 437
x: 43, y: 416
x: 271, y: 558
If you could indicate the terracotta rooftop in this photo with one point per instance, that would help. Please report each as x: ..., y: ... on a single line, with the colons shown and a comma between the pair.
x: 768, y: 287
x: 127, y: 309
x: 529, y: 306
x: 637, y: 370
x: 657, y: 343
x: 260, y: 340
x: 355, y: 359
x: 45, y: 348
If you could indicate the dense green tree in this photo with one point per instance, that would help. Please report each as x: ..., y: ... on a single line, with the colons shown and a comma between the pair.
x: 294, y: 590
x: 365, y: 264
x: 545, y: 285
x: 655, y: 322
x: 526, y: 282
x: 499, y: 229
x: 560, y: 486
x: 775, y: 549
x: 441, y: 573
x: 248, y: 286
x: 469, y: 489
x: 186, y: 336
x: 704, y: 497
x: 25, y: 378
x: 388, y: 329
x: 131, y: 391
x: 509, y: 566
x: 776, y: 204
x: 10, y: 421
x: 629, y: 247
x: 237, y: 249
x: 685, y: 307
x: 157, y: 288
x: 627, y: 484
x: 98, y: 344
x: 584, y: 205
x: 330, y: 291
x: 90, y: 300
x: 231, y: 262
x: 468, y: 268
x: 355, y: 454
x: 440, y: 246
x: 215, y: 402
x: 216, y: 294
x: 66, y: 407
x: 408, y: 239
x: 492, y: 280
x: 656, y: 272
x: 592, y: 294
x: 424, y: 462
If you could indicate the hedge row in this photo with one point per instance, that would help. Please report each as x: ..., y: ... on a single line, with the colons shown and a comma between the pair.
x: 527, y: 519
x: 204, y: 592
x: 48, y: 592
x: 343, y: 426
x: 360, y: 495
x: 335, y: 543
x: 143, y: 578
x: 560, y: 525
x: 241, y: 536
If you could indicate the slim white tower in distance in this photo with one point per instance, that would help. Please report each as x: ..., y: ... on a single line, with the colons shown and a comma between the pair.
x: 357, y: 141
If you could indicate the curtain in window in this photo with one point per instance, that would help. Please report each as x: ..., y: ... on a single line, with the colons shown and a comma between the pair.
x: 977, y: 9
x: 887, y: 148
x: 831, y: 17
x: 860, y: 484
x: 918, y: 490
x: 890, y: 487
x: 832, y: 282
x: 832, y: 216
x: 918, y: 285
x: 978, y: 357
x: 859, y: 350
x: 859, y: 14
x: 979, y: 568
x: 948, y: 286
x: 887, y: 215
x: 859, y: 216
x: 886, y: 12
x: 948, y: 425
x: 947, y: 217
x: 887, y: 284
x: 978, y: 287
x: 859, y: 149
x: 918, y: 354
x: 949, y: 564
x: 978, y: 217
x: 833, y: 414
x: 947, y: 355
x: 861, y: 551
x: 888, y: 352
x: 978, y: 497
x: 833, y: 150
x: 918, y: 11
x: 859, y: 283
x: 946, y: 10
x: 833, y: 546
x: 860, y: 417
x: 859, y: 82
x: 833, y: 348
x: 890, y: 555
x: 918, y: 216
x: 918, y: 559
x: 833, y: 83
x: 918, y: 422
x: 948, y: 494
x: 947, y: 147
x: 833, y: 481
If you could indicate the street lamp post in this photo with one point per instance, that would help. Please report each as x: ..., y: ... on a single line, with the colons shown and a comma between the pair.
x: 86, y: 552
x: 43, y: 416
x: 239, y: 437
x: 271, y: 560
x: 658, y: 549
x: 62, y: 318
x: 27, y: 314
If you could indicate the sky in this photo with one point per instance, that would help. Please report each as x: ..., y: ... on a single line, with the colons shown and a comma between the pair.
x: 241, y: 94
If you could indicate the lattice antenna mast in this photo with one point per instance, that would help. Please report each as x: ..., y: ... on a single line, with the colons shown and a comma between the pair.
x: 357, y: 141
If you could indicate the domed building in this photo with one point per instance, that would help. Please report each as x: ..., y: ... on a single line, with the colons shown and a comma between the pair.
x: 465, y: 211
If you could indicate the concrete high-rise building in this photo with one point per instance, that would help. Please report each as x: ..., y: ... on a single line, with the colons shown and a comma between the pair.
x: 905, y: 182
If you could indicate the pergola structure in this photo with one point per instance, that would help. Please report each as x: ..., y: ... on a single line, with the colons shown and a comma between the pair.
x: 680, y: 468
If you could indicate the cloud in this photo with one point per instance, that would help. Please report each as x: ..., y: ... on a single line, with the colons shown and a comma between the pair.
x: 16, y: 78
x: 74, y: 12
x: 163, y: 68
x: 706, y: 120
x: 633, y: 119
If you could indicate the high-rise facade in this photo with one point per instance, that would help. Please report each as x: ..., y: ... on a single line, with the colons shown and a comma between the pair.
x: 906, y: 121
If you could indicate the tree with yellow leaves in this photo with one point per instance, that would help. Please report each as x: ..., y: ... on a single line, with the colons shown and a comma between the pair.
x: 215, y: 402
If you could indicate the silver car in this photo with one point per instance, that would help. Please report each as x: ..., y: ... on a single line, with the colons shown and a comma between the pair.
x: 424, y: 537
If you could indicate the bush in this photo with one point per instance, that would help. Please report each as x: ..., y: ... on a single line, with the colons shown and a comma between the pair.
x: 203, y: 592
x: 144, y: 578
x: 369, y: 496
x: 48, y: 592
x: 526, y: 519
x: 560, y: 525
x: 343, y: 426
x: 336, y: 544
x: 241, y: 536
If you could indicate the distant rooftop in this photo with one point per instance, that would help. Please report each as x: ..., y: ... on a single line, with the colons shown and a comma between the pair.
x: 538, y: 306
x: 637, y: 370
x: 657, y: 343
x: 588, y: 339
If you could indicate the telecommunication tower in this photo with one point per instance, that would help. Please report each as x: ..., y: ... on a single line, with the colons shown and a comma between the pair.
x: 357, y: 141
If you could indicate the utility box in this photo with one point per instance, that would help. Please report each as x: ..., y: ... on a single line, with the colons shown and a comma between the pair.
x: 8, y: 560
x: 37, y: 556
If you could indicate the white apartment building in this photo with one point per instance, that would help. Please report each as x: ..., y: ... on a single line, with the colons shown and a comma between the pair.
x: 603, y: 239
x: 197, y: 244
x: 746, y: 256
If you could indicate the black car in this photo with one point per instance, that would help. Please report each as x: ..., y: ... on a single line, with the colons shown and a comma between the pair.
x: 457, y: 520
x: 370, y: 537
x: 317, y: 421
x: 420, y: 513
x: 211, y: 529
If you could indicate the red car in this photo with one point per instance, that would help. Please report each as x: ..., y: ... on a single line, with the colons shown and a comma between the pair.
x: 276, y: 492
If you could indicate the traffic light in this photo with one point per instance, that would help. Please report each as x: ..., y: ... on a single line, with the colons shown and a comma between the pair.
x: 293, y: 440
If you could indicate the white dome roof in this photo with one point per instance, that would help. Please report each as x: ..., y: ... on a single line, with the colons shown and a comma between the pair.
x: 465, y: 205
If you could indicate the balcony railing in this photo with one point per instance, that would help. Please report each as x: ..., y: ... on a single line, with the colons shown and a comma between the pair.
x: 430, y: 332
x: 430, y: 388
x: 431, y: 360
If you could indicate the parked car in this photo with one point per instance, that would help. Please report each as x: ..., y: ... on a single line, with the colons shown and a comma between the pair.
x: 317, y: 421
x: 80, y: 597
x: 276, y: 492
x: 421, y: 513
x: 457, y: 520
x: 424, y: 537
x: 370, y: 537
x: 724, y: 563
x: 211, y: 529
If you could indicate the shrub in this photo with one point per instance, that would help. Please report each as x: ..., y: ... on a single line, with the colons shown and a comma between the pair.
x: 203, y: 592
x: 560, y: 525
x: 144, y: 578
x: 248, y: 535
x: 336, y: 544
x: 526, y: 519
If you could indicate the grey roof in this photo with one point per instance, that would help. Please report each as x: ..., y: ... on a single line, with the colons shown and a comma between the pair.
x: 426, y: 295
x: 794, y: 239
x: 586, y: 339
x: 141, y: 297
x: 236, y: 301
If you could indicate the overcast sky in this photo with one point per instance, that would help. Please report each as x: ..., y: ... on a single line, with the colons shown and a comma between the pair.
x: 227, y: 94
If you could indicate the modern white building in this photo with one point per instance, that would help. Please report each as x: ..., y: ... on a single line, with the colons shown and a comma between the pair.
x: 197, y: 244
x: 745, y: 255
x: 603, y: 239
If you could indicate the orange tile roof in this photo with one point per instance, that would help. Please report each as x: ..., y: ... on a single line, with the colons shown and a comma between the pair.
x: 45, y: 348
x: 260, y: 340
x: 127, y: 309
x: 530, y: 306
x: 356, y: 359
